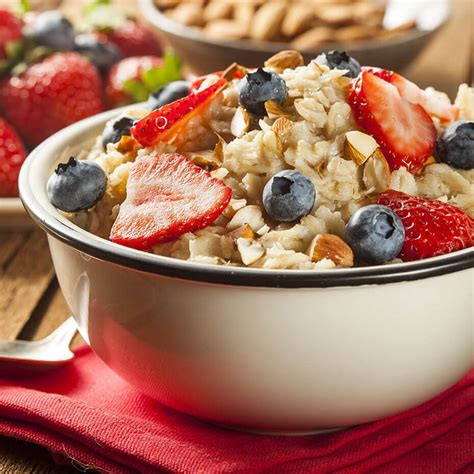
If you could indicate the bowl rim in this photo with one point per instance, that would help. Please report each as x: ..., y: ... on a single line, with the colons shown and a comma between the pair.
x: 57, y: 226
x: 154, y: 15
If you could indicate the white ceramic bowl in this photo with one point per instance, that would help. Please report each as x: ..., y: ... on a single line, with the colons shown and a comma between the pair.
x: 279, y: 351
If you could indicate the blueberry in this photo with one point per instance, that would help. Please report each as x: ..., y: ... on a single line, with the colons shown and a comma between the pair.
x: 114, y: 131
x: 455, y: 146
x: 53, y: 30
x: 375, y: 233
x: 102, y: 54
x: 288, y: 196
x: 258, y: 87
x: 173, y: 91
x: 76, y: 185
x: 340, y: 60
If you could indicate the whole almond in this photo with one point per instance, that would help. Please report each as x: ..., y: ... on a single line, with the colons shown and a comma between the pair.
x: 225, y: 30
x: 267, y: 21
x: 313, y: 38
x: 285, y: 60
x: 217, y: 10
x: 297, y: 20
x: 189, y: 14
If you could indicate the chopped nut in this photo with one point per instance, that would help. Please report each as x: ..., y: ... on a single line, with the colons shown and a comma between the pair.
x: 285, y: 60
x: 359, y: 147
x: 233, y: 206
x: 282, y: 125
x: 332, y: 247
x: 376, y: 175
x: 251, y: 215
x: 244, y: 232
x: 233, y: 70
x: 250, y: 250
x: 240, y: 123
x: 275, y: 110
x: 127, y: 144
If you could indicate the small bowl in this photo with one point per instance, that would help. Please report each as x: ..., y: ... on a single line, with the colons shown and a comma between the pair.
x: 203, y: 55
x: 269, y: 351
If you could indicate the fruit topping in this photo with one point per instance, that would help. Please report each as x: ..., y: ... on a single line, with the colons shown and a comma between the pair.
x: 51, y: 94
x: 10, y: 35
x: 76, y: 185
x: 375, y: 234
x: 455, y: 146
x: 259, y: 87
x: 405, y: 132
x: 432, y: 228
x: 12, y: 156
x: 114, y: 131
x: 432, y: 103
x: 169, y: 93
x: 167, y: 196
x: 340, y: 60
x: 102, y: 53
x: 164, y: 124
x: 288, y: 196
x: 52, y: 30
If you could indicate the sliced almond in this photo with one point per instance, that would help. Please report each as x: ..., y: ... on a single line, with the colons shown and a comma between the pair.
x: 331, y: 247
x: 250, y: 250
x: 285, y: 60
x: 275, y: 110
x: 267, y: 21
x: 376, y: 174
x: 244, y: 232
x: 297, y: 20
x: 359, y: 146
x: 240, y: 123
x: 233, y: 70
x: 282, y: 125
x: 209, y: 159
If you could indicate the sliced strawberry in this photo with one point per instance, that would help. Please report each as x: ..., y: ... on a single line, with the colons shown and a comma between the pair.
x: 197, y: 83
x: 163, y: 125
x: 432, y: 228
x: 167, y: 196
x: 405, y: 132
x: 434, y: 105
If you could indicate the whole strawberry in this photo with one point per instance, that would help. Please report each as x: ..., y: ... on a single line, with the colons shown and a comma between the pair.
x: 10, y: 33
x: 51, y: 94
x: 432, y: 228
x: 134, y: 39
x: 12, y: 155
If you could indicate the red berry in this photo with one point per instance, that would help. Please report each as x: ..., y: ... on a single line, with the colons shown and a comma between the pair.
x: 135, y: 39
x: 10, y: 31
x: 125, y: 70
x: 12, y: 156
x: 167, y: 196
x: 405, y: 132
x: 432, y: 228
x: 432, y: 104
x: 50, y: 95
x: 163, y: 124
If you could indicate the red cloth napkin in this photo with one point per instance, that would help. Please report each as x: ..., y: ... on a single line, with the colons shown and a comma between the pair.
x: 89, y: 416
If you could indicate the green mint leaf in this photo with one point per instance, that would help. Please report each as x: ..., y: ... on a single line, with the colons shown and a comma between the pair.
x: 136, y: 90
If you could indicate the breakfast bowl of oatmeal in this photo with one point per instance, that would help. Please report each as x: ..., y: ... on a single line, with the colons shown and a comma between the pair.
x: 279, y: 249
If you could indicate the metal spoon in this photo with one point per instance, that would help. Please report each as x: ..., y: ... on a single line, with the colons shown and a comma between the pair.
x: 23, y: 358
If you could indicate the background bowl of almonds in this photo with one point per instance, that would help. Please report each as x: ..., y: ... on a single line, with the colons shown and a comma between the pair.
x: 209, y: 34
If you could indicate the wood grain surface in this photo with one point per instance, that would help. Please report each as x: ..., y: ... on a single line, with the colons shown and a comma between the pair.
x: 31, y: 305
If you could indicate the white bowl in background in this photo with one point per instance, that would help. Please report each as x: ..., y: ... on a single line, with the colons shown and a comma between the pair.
x: 264, y: 350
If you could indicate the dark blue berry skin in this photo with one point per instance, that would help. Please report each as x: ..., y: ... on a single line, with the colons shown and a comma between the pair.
x: 258, y: 87
x: 167, y: 94
x: 455, y: 146
x: 288, y: 196
x: 375, y: 234
x: 53, y: 30
x: 76, y: 185
x: 340, y: 60
x: 101, y: 53
x: 114, y: 131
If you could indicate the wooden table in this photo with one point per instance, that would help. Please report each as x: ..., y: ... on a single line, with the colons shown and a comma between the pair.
x: 31, y: 304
